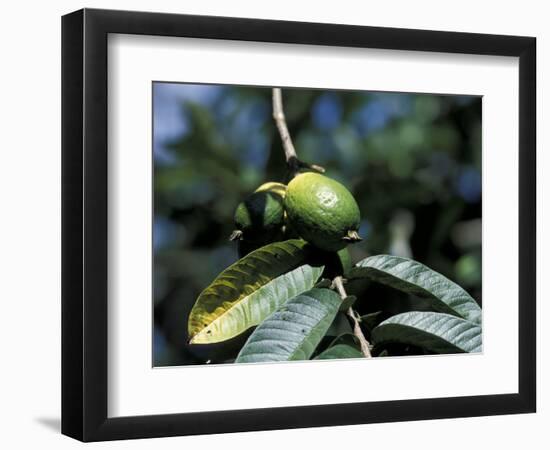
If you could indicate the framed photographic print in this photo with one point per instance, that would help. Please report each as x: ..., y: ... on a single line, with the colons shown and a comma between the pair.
x: 259, y: 213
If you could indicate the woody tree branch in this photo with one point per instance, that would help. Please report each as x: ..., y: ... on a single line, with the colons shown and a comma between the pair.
x: 294, y: 164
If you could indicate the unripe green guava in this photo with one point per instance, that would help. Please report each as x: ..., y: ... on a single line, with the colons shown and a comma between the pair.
x: 322, y: 211
x: 260, y: 217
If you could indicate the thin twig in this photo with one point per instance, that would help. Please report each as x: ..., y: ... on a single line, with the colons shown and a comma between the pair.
x: 365, y: 349
x: 280, y: 121
x: 294, y: 164
x: 338, y: 283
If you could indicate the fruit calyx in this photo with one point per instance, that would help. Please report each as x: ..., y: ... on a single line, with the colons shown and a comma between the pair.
x: 236, y: 235
x: 352, y: 237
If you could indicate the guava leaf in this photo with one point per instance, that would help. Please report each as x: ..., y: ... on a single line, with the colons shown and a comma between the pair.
x: 294, y: 330
x: 345, y: 345
x: 340, y: 351
x: 345, y: 339
x: 436, y: 332
x: 323, y: 283
x: 415, y: 278
x: 247, y: 292
x: 340, y: 325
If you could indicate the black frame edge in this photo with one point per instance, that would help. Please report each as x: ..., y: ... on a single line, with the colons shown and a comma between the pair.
x: 84, y: 242
x: 72, y: 89
x: 167, y: 425
x: 527, y: 289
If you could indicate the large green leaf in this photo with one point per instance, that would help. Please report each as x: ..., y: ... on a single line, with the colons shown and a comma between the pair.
x: 245, y: 293
x: 294, y: 330
x: 415, y: 278
x: 436, y: 332
x: 340, y: 351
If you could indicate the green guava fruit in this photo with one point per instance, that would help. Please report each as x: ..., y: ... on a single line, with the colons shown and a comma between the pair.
x: 322, y: 211
x: 260, y: 217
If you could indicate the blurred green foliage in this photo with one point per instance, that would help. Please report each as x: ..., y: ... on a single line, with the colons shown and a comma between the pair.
x: 412, y: 161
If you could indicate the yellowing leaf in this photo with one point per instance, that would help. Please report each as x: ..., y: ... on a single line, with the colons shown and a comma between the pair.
x: 247, y: 292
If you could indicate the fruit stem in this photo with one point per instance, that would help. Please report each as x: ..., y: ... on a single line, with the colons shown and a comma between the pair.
x: 292, y: 161
x: 338, y: 283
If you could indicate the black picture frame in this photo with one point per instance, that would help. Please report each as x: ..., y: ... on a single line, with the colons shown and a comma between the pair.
x: 84, y: 224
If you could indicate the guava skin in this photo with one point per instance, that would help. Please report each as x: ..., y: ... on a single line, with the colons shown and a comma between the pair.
x: 322, y: 211
x: 260, y: 217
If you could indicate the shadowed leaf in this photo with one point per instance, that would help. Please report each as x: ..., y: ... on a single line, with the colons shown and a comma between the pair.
x: 340, y: 351
x: 415, y: 278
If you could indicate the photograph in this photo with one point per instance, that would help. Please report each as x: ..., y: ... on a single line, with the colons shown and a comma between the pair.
x: 294, y: 224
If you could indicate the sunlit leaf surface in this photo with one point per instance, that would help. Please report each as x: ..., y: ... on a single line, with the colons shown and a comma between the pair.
x: 248, y: 291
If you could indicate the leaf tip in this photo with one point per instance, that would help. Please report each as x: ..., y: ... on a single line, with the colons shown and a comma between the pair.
x: 193, y: 337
